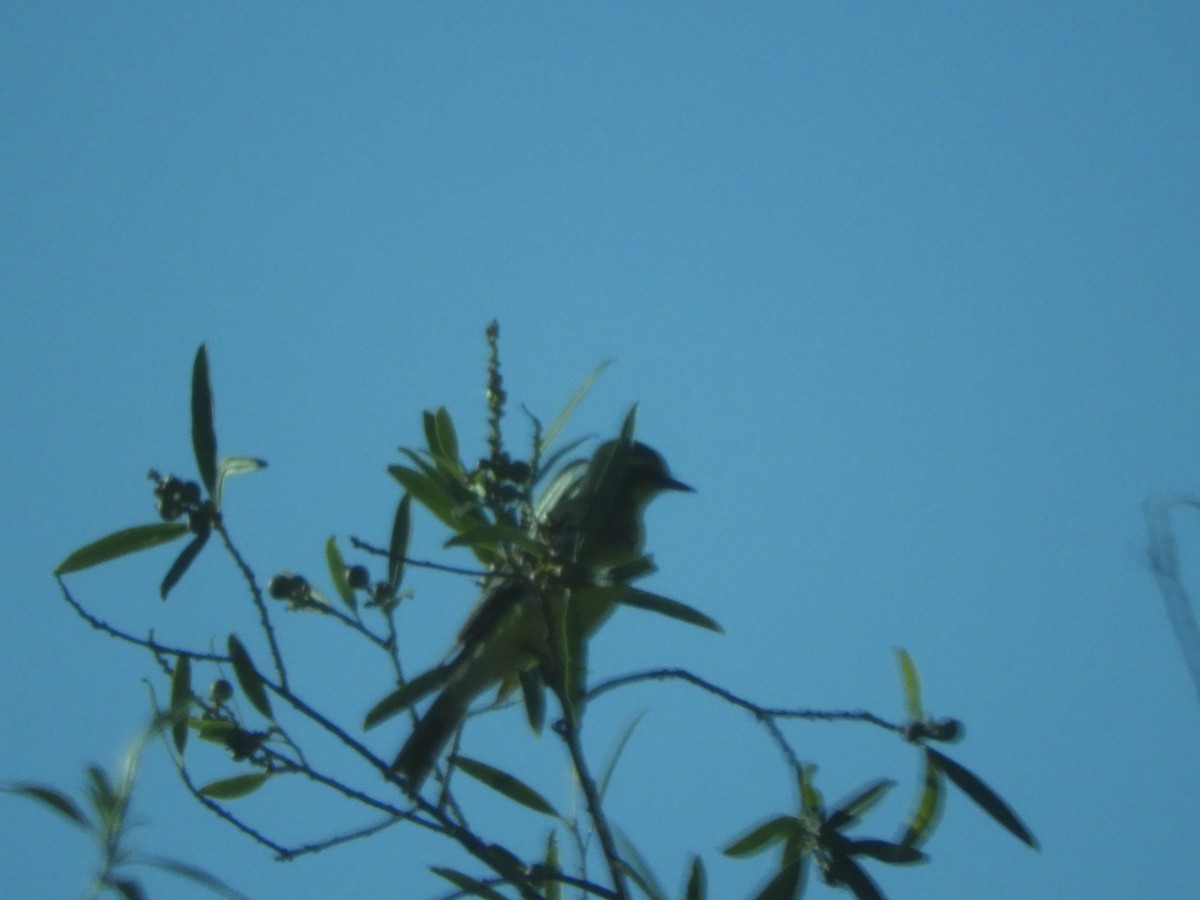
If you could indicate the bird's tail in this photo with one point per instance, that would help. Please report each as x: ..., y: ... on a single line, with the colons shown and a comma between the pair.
x: 430, y: 737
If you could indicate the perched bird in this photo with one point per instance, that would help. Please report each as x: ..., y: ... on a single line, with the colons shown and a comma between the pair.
x: 591, y: 524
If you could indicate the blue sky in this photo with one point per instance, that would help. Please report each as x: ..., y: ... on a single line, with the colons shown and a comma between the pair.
x: 907, y: 291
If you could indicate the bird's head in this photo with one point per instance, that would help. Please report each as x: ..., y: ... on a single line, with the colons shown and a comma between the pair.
x: 646, y: 472
x: 598, y: 520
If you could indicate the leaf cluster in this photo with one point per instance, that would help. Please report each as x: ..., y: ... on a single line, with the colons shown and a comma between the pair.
x: 496, y: 509
x: 104, y: 815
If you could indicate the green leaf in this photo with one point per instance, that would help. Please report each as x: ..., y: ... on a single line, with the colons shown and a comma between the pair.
x: 398, y: 548
x: 238, y: 786
x: 182, y: 562
x: 848, y: 872
x: 442, y: 439
x: 248, y: 677
x: 912, y: 686
x: 626, y: 572
x: 582, y: 391
x: 508, y: 785
x: 886, y: 851
x: 427, y: 491
x: 773, y: 831
x: 631, y: 596
x: 406, y: 695
x: 459, y: 503
x: 429, y: 423
x: 552, y: 887
x: 496, y: 534
x: 855, y: 807
x: 629, y: 425
x: 337, y: 573
x: 121, y: 543
x: 191, y: 873
x: 547, y: 465
x: 105, y: 801
x: 129, y: 888
x: 204, y: 437
x: 987, y: 799
x: 215, y: 730
x: 786, y: 883
x: 637, y: 867
x: 534, y: 696
x: 240, y: 465
x: 615, y: 756
x: 447, y: 437
x: 810, y: 798
x: 929, y: 806
x: 235, y: 465
x: 697, y: 883
x: 53, y: 799
x: 472, y: 886
x: 446, y: 499
x: 181, y: 699
x: 569, y: 654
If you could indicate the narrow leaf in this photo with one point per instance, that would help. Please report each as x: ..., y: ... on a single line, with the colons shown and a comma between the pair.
x: 53, y: 799
x: 508, y: 785
x: 235, y: 465
x: 637, y: 867
x: 129, y: 888
x: 182, y: 562
x: 181, y: 699
x: 405, y: 696
x: 533, y: 695
x: 627, y: 572
x: 104, y: 798
x: 929, y: 806
x: 191, y: 873
x: 447, y: 437
x: 912, y: 686
x: 240, y: 465
x: 553, y: 887
x: 987, y: 799
x: 204, y: 437
x: 337, y: 573
x: 238, y: 786
x: 547, y: 465
x: 849, y: 873
x: 398, y: 548
x: 886, y: 851
x: 121, y: 543
x: 472, y: 886
x: 759, y: 838
x: 786, y: 883
x: 615, y: 757
x: 580, y: 392
x: 629, y: 425
x: 429, y: 423
x: 495, y: 534
x: 855, y: 807
x: 428, y: 492
x: 697, y: 883
x: 248, y: 677
x: 667, y: 607
x: 810, y: 798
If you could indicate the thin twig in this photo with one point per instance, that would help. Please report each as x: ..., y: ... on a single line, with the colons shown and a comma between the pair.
x: 570, y: 734
x: 259, y: 603
x: 419, y: 563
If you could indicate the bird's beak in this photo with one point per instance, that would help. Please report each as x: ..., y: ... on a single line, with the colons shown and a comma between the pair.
x: 671, y: 484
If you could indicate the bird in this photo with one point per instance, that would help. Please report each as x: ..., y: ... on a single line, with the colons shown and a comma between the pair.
x: 592, y: 526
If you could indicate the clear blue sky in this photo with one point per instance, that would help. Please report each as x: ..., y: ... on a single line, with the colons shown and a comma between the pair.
x: 909, y: 292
